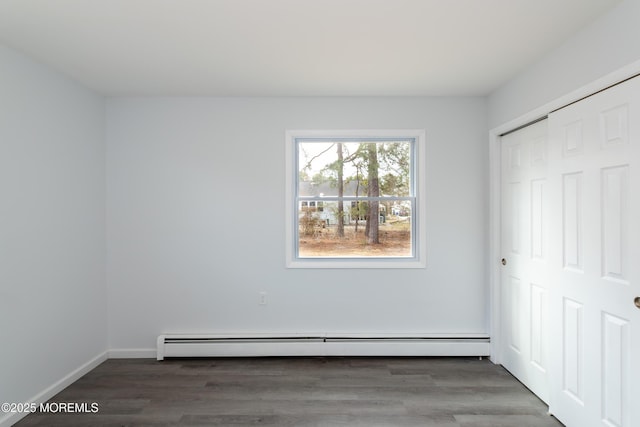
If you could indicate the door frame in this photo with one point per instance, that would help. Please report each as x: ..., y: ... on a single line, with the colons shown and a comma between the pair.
x: 495, y: 196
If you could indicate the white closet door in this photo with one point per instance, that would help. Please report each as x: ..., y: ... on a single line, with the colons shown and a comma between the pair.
x: 594, y: 177
x: 524, y: 281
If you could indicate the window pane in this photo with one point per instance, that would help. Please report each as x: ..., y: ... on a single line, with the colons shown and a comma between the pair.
x: 344, y: 168
x: 319, y: 236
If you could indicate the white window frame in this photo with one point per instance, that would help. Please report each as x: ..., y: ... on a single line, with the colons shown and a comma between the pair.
x: 419, y: 260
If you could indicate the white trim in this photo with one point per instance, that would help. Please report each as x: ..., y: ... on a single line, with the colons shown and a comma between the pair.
x: 420, y: 261
x: 495, y: 200
x: 132, y: 353
x: 55, y: 388
x: 494, y: 185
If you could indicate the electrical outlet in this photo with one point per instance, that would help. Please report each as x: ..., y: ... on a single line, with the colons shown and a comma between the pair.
x: 263, y: 298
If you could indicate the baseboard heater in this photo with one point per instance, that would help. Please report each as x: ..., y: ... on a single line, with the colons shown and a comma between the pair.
x: 259, y: 345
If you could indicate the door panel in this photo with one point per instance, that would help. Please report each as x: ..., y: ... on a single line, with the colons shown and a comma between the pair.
x: 615, y: 212
x: 525, y: 241
x: 572, y: 221
x: 539, y: 318
x: 573, y: 363
x: 594, y: 200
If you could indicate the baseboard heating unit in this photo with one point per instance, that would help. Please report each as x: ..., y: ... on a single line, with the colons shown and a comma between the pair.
x: 258, y: 345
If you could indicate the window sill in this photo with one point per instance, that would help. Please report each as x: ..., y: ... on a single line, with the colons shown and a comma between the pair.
x: 364, y: 263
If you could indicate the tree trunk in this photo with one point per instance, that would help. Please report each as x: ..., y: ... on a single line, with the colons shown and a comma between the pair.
x: 357, y: 210
x: 340, y: 191
x: 373, y: 191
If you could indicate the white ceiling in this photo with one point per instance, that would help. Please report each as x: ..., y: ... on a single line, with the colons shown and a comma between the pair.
x: 292, y: 47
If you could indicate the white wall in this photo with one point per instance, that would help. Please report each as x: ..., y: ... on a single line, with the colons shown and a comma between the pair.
x: 608, y: 44
x: 52, y: 232
x: 195, y: 220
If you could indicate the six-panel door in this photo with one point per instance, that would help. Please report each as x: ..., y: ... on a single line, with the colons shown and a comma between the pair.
x: 594, y: 262
x: 525, y: 239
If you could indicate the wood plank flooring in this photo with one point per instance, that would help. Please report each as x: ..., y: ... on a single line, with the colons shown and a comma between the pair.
x: 336, y: 391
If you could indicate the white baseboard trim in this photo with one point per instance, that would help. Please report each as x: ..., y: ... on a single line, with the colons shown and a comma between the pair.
x: 132, y: 353
x: 330, y: 349
x: 242, y: 345
x: 12, y: 418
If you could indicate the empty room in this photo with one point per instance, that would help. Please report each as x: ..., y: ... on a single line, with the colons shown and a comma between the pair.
x: 320, y: 213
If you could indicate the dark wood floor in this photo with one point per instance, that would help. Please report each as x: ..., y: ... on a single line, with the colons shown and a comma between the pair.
x: 443, y: 392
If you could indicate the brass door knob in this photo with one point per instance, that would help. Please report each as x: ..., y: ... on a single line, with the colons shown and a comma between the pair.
x: 504, y: 261
x: 636, y: 301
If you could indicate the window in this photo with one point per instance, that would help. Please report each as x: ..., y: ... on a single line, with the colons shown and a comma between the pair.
x: 355, y: 199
